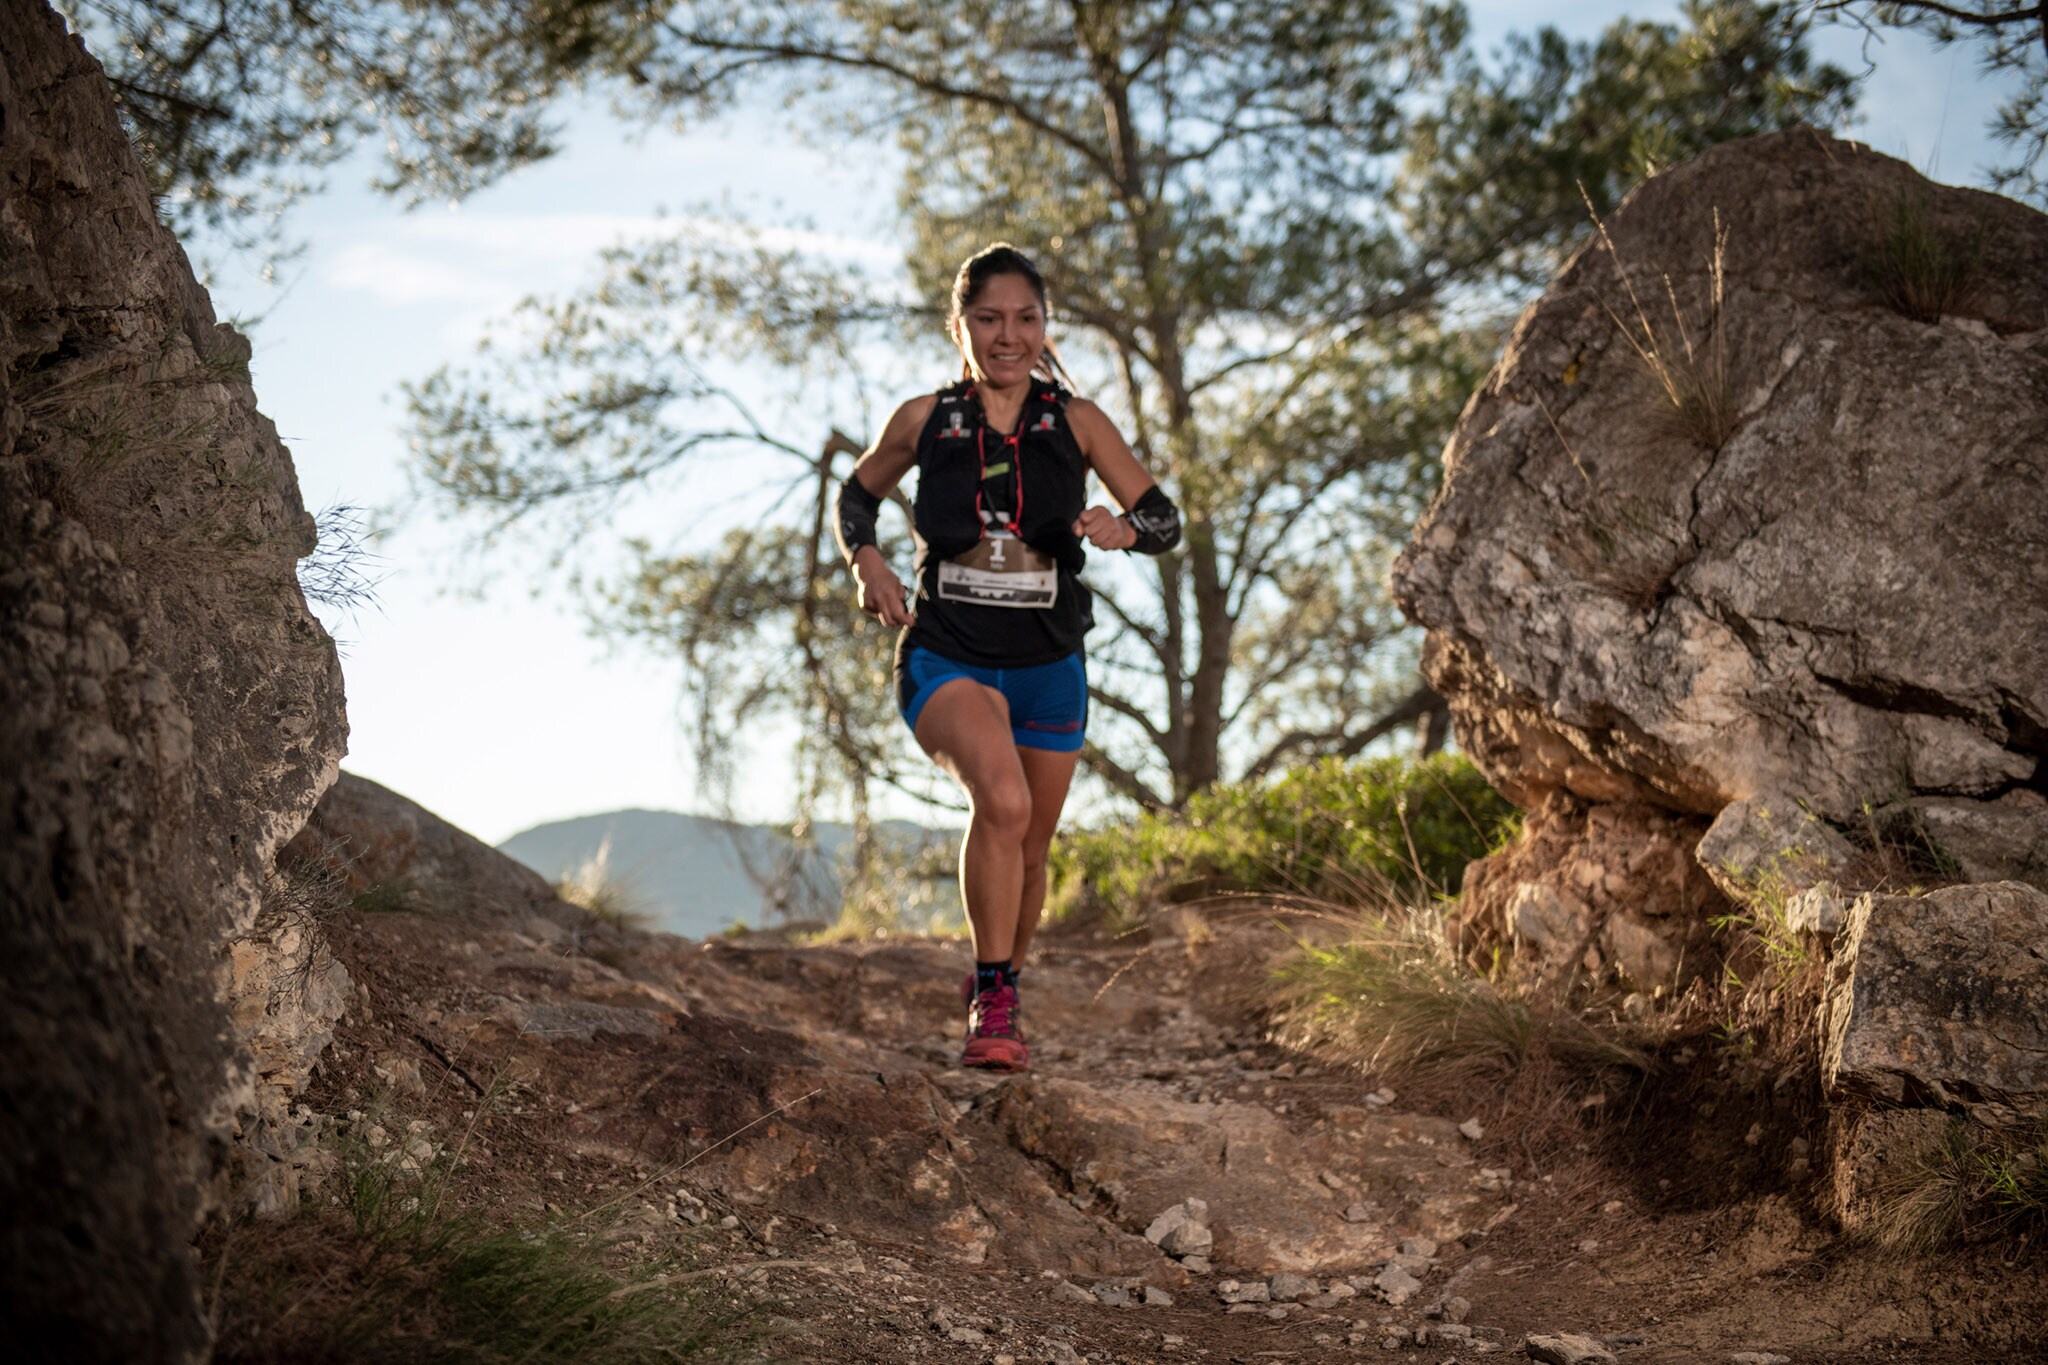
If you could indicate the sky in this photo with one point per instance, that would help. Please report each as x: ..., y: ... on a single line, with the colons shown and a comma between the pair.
x: 496, y: 708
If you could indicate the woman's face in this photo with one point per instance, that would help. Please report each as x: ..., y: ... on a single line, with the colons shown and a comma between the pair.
x: 1002, y: 333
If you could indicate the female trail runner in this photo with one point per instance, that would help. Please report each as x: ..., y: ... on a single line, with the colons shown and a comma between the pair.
x: 989, y: 669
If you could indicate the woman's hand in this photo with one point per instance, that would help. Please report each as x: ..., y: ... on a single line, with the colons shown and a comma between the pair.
x: 881, y: 591
x: 1105, y: 530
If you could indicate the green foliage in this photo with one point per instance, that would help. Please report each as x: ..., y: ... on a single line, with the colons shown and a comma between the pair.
x: 1394, y: 999
x: 1390, y: 827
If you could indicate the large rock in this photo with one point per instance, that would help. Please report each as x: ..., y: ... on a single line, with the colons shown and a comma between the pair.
x: 172, y: 713
x: 1843, y: 602
x: 1942, y: 1000
x: 373, y: 841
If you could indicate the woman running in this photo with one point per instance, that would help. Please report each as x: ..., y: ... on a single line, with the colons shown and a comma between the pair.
x: 989, y: 670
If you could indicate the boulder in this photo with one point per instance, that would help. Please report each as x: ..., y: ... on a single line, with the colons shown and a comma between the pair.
x: 172, y: 713
x: 379, y: 844
x: 1839, y: 599
x: 1942, y: 1000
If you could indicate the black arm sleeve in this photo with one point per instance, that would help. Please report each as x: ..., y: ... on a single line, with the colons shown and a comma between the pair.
x: 1157, y: 522
x: 855, y: 524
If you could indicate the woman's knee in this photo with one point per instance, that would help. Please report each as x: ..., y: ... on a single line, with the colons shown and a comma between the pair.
x: 1003, y: 806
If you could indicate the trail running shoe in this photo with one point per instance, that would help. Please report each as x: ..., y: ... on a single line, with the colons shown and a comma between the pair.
x: 994, y: 1039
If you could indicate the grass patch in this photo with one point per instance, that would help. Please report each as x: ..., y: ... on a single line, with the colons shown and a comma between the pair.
x: 1975, y: 1184
x: 1686, y: 359
x: 385, y: 1267
x: 1369, y: 829
x: 1920, y: 269
x: 594, y: 887
x: 1393, y: 999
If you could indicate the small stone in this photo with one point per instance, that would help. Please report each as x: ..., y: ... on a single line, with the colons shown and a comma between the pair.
x: 1396, y: 1285
x: 1393, y: 1342
x: 1612, y: 1206
x: 1231, y: 1291
x: 966, y: 1336
x: 1246, y: 1308
x: 1567, y: 1348
x: 1004, y: 1358
x: 1589, y: 1245
x: 732, y: 1220
x: 1284, y: 1071
x: 1279, y: 1311
x: 1357, y: 1213
x: 1155, y: 1297
x: 1758, y: 1358
x: 1471, y: 1129
x: 1195, y: 1265
x: 1286, y: 1287
x: 1418, y: 1266
x: 894, y: 1265
x: 1457, y: 1308
x: 1418, y: 1246
x: 1454, y: 1331
x: 1068, y: 1292
x: 1113, y: 1295
x: 1380, y: 1098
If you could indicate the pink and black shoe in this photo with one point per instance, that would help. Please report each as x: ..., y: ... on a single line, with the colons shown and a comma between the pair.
x: 995, y: 1041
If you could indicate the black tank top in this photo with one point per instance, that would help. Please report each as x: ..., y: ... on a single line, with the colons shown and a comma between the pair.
x: 1040, y: 494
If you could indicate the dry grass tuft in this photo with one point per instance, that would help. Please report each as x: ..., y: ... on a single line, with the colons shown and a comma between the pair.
x: 386, y: 1265
x: 1688, y: 359
x: 594, y: 887
x: 1393, y: 999
x: 1975, y: 1184
x: 1918, y: 268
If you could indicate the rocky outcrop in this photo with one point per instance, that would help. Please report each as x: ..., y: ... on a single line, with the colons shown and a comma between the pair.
x: 173, y: 712
x: 1818, y: 581
x: 1937, y: 1001
x: 373, y: 842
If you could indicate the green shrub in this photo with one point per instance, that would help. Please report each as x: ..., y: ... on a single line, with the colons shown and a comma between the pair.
x: 1385, y: 828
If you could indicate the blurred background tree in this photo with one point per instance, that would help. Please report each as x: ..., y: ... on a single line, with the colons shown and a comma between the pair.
x: 1284, y: 241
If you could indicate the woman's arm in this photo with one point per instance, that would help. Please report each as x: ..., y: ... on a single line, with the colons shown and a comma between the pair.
x: 875, y: 476
x: 1151, y: 523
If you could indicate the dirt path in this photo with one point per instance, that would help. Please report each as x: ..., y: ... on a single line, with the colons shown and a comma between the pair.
x: 787, y: 1126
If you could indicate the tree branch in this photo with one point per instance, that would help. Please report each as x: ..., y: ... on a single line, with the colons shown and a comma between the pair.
x: 1411, y: 708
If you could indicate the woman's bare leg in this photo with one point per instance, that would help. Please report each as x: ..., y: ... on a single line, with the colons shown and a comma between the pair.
x: 965, y: 727
x: 1048, y: 774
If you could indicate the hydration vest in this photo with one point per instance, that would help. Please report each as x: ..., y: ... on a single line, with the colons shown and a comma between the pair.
x: 1031, y: 481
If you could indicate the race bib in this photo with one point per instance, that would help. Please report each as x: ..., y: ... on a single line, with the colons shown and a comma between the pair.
x: 1001, y: 571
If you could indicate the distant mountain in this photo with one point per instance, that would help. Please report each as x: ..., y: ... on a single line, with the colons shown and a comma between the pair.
x: 695, y: 876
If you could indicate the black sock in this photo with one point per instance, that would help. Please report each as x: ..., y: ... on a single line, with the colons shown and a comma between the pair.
x: 1010, y: 975
x: 989, y: 975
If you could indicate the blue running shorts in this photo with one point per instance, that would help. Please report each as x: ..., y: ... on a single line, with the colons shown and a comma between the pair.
x: 1048, y: 703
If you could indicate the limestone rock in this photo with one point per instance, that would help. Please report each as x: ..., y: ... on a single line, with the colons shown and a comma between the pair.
x: 1621, y: 611
x: 1773, y: 845
x: 1942, y: 1000
x: 1566, y: 1348
x: 172, y: 712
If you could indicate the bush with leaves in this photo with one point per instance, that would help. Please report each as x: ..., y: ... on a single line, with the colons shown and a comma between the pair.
x: 1383, y: 825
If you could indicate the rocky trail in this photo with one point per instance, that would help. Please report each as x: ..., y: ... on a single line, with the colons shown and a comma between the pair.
x: 786, y: 1125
